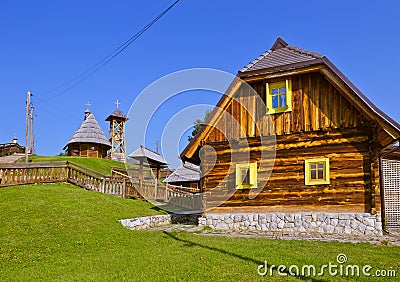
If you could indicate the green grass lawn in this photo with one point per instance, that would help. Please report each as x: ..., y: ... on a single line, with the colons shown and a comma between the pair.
x: 100, y: 165
x: 61, y: 232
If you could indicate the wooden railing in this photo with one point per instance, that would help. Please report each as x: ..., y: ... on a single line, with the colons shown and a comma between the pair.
x: 119, y: 184
x: 22, y: 173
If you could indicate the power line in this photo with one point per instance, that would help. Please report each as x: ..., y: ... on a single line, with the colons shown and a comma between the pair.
x: 96, y: 67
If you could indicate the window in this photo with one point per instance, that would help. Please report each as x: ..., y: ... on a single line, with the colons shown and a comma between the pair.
x: 246, y: 176
x: 317, y: 171
x: 279, y: 96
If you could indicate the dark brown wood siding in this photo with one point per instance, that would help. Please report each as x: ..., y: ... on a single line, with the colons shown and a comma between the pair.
x: 316, y: 105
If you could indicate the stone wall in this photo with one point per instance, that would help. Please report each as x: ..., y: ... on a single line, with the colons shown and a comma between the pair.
x: 329, y: 223
x: 139, y: 223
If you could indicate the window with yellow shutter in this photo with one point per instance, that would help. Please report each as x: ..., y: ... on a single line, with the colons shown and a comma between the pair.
x: 246, y: 176
x: 279, y: 96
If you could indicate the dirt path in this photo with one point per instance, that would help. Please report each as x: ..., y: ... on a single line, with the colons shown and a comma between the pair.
x: 11, y: 159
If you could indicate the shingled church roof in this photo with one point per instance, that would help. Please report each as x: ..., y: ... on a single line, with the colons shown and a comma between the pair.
x: 118, y: 114
x: 89, y: 132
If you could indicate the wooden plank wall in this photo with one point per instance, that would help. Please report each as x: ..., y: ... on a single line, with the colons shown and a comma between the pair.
x: 348, y: 152
x: 85, y: 150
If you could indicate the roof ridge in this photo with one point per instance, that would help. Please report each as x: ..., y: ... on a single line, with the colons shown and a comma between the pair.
x: 305, y: 52
x: 144, y: 147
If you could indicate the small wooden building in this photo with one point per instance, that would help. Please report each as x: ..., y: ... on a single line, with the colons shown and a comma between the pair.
x: 186, y: 175
x: 147, y: 159
x: 329, y: 139
x: 89, y: 140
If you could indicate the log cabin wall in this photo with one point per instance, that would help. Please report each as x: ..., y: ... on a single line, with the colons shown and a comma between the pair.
x: 87, y: 150
x: 322, y: 123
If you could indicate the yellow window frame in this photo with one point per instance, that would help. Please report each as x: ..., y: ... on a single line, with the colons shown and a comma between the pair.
x: 269, y: 86
x: 252, y: 168
x: 307, y: 175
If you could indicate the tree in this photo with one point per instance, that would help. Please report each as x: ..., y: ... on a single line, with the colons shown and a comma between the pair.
x: 198, y: 124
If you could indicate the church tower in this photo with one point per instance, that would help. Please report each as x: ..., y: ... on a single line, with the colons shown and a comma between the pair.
x: 117, y: 121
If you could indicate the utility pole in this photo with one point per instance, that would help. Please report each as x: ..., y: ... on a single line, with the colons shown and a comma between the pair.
x: 28, y: 106
x: 31, y: 141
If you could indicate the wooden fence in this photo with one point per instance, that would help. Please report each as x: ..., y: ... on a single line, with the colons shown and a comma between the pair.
x: 118, y: 184
x: 31, y: 173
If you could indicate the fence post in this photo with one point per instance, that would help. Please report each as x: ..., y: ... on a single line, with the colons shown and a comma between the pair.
x: 124, y: 188
x: 103, y: 185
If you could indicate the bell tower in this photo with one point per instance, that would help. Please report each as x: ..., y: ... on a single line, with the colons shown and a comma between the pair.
x: 117, y: 121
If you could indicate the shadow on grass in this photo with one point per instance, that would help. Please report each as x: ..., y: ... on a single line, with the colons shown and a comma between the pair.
x: 224, y: 252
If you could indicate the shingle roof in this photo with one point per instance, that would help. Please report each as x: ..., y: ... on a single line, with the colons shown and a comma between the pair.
x: 117, y: 113
x: 143, y: 152
x: 279, y: 55
x: 187, y: 172
x: 89, y: 132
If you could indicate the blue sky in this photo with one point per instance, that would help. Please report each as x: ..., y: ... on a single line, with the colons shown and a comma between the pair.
x: 46, y: 43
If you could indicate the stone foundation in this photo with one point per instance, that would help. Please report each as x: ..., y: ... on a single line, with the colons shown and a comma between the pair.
x: 328, y: 223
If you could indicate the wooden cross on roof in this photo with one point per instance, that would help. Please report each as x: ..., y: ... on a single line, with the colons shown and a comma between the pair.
x: 117, y: 103
x: 88, y: 104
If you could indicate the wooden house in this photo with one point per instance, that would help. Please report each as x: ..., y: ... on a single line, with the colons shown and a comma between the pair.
x: 89, y: 140
x: 329, y: 139
x: 10, y: 148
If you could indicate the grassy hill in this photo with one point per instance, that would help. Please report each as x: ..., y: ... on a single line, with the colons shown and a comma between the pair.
x: 100, y: 165
x: 63, y: 233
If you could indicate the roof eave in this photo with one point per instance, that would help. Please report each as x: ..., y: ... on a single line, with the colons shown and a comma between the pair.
x: 260, y: 72
x: 394, y: 127
x: 322, y: 65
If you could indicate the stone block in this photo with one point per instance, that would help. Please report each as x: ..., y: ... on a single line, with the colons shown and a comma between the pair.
x: 329, y: 229
x: 338, y: 230
x: 361, y: 227
x: 321, y: 217
x: 221, y: 226
x: 273, y: 226
x: 347, y: 230
x: 289, y: 217
x: 370, y: 222
x: 344, y: 216
x: 288, y: 225
x: 307, y: 218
